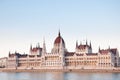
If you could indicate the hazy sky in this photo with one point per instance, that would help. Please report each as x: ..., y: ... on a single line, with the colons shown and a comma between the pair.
x: 25, y: 22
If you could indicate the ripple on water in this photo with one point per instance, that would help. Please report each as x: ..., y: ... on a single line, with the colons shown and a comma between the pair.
x: 58, y: 76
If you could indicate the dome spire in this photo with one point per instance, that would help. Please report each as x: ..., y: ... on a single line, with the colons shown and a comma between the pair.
x: 59, y: 33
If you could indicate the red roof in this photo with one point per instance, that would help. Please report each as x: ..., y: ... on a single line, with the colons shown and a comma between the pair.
x: 58, y: 39
x: 114, y: 51
x: 104, y: 51
x: 36, y: 49
x: 83, y: 46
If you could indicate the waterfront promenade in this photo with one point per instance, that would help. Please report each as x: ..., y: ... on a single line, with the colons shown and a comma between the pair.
x: 62, y: 70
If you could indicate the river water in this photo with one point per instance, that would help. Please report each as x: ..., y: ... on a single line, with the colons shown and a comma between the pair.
x: 58, y: 76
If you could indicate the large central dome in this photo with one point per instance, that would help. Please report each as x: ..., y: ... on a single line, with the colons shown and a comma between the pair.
x: 58, y: 44
x: 58, y: 39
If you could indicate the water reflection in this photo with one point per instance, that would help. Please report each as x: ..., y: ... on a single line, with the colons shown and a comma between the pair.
x: 58, y: 76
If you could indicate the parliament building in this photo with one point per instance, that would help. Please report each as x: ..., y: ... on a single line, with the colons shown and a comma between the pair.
x: 60, y: 58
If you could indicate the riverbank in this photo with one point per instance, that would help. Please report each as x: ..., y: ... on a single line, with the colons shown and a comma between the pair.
x: 63, y: 70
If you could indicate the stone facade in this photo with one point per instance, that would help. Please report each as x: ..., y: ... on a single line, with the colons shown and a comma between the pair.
x: 60, y: 58
x: 3, y: 62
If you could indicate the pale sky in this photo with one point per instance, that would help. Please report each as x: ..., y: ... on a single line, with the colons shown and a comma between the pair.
x: 26, y: 22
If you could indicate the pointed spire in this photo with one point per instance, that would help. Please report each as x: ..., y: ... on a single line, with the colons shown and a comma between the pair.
x: 90, y: 45
x: 44, y: 47
x: 31, y: 47
x: 99, y: 48
x: 9, y: 53
x: 109, y: 48
x: 76, y: 44
x: 38, y: 45
x: 86, y: 42
x: 59, y: 33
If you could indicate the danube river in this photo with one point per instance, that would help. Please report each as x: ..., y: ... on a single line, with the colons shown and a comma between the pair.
x: 58, y: 76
